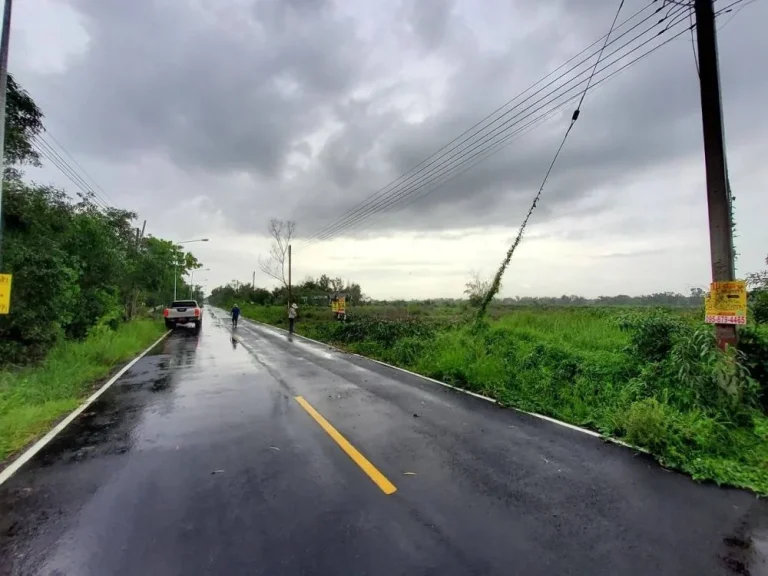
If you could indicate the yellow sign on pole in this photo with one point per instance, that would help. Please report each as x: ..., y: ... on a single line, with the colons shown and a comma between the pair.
x: 726, y: 303
x: 5, y: 293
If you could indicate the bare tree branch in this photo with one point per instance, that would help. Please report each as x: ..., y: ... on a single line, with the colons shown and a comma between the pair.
x: 275, y: 263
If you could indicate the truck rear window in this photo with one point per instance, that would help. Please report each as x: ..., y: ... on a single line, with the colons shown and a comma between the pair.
x: 184, y: 304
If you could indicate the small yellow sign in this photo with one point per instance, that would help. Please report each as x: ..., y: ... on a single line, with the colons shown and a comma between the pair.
x: 5, y: 293
x: 338, y: 305
x: 726, y: 303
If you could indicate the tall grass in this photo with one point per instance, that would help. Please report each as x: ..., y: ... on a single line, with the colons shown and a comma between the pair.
x: 33, y: 398
x: 651, y: 377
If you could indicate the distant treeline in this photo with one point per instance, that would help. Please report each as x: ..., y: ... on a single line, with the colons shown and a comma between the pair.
x: 661, y: 299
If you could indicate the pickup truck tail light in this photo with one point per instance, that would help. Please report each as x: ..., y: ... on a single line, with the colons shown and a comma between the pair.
x: 165, y: 312
x: 197, y: 311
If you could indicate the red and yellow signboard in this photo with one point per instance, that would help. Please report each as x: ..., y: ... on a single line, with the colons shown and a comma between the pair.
x: 726, y: 303
x: 338, y: 305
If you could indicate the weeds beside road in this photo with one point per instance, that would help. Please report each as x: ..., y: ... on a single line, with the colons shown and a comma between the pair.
x: 650, y: 377
x: 33, y: 398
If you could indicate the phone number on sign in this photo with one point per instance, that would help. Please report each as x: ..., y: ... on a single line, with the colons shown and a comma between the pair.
x: 726, y: 320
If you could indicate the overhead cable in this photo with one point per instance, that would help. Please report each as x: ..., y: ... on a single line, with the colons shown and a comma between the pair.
x: 458, y: 140
x: 498, y: 135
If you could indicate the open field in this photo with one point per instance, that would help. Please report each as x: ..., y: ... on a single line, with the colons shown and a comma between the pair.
x: 33, y: 398
x: 651, y: 377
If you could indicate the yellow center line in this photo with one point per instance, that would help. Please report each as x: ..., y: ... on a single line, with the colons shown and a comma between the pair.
x: 378, y: 478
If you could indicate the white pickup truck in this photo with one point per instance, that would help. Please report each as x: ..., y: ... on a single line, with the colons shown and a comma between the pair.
x: 182, y: 312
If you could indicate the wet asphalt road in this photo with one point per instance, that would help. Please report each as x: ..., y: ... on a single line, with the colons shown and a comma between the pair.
x: 200, y: 460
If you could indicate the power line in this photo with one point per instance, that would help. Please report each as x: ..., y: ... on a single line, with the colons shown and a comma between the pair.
x: 48, y: 152
x: 391, y: 197
x: 497, y: 279
x: 395, y: 196
x: 499, y: 146
x: 62, y: 164
x: 693, y: 45
x: 95, y: 184
x: 52, y: 156
x: 592, y: 75
x: 744, y: 4
x: 455, y: 143
x: 600, y: 83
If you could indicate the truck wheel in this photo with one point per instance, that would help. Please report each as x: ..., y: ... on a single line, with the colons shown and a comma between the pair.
x: 198, y: 327
x: 169, y: 325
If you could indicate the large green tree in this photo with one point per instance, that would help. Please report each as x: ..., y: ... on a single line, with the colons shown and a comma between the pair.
x: 75, y: 265
x: 23, y: 122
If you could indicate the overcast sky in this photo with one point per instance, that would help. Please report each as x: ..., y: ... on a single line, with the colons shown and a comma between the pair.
x: 210, y: 118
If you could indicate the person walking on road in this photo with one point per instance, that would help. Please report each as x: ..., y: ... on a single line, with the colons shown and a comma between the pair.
x: 235, y: 315
x: 292, y: 311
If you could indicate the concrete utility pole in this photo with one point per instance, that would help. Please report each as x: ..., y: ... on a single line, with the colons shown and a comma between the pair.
x: 290, y: 295
x: 253, y: 282
x: 718, y: 192
x: 4, y: 42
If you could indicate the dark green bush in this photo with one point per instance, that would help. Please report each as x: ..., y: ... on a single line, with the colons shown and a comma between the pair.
x: 646, y: 424
x: 758, y: 306
x: 651, y: 334
x: 753, y: 342
x: 383, y: 331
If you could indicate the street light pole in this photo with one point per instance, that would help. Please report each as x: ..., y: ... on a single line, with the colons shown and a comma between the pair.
x: 192, y: 280
x: 176, y: 264
x: 4, y: 42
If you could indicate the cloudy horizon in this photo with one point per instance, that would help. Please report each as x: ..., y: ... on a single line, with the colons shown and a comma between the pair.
x: 209, y: 121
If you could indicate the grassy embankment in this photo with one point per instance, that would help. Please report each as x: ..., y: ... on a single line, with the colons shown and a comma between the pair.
x: 32, y: 399
x: 652, y: 378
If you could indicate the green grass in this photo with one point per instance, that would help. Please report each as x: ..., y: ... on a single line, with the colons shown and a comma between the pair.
x: 652, y: 378
x: 34, y: 398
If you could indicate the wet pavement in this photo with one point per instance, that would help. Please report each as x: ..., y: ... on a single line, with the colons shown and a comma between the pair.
x: 200, y: 460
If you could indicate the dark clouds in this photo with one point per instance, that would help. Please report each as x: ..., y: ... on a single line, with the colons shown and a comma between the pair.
x: 318, y: 114
x: 226, y: 90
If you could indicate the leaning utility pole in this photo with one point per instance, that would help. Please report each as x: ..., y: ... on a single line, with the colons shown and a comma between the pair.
x: 4, y: 41
x: 718, y: 193
x: 290, y: 295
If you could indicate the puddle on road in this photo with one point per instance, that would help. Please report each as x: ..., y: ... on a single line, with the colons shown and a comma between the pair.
x: 746, y: 550
x: 108, y: 426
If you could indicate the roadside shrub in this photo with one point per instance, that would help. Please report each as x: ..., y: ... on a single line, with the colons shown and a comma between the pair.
x: 708, y: 377
x: 385, y: 332
x: 753, y: 343
x: 758, y: 306
x: 651, y: 334
x: 646, y: 424
x: 406, y: 351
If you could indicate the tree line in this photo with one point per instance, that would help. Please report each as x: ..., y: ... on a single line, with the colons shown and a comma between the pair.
x: 311, y: 291
x: 75, y: 265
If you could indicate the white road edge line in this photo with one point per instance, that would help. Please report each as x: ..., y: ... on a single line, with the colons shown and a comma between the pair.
x: 40, y: 444
x: 463, y: 391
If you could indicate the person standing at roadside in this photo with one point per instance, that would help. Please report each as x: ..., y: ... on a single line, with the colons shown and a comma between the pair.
x: 235, y: 315
x: 292, y: 312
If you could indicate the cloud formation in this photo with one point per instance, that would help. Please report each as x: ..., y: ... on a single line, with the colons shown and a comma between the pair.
x: 303, y: 108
